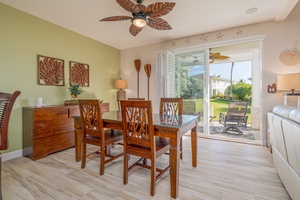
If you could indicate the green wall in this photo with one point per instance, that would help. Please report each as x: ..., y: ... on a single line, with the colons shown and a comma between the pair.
x: 22, y: 38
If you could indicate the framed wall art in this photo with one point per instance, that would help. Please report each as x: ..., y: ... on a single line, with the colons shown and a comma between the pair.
x: 50, y: 71
x: 79, y: 73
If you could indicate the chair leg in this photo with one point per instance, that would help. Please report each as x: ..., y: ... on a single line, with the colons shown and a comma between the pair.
x: 83, y: 155
x: 145, y: 161
x: 102, y: 159
x: 125, y: 170
x: 153, y: 177
x: 0, y: 176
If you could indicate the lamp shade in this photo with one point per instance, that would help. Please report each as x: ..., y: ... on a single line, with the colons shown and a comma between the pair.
x: 121, y: 84
x: 288, y: 82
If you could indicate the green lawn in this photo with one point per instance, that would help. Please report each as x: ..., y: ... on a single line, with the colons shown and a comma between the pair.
x: 219, y: 106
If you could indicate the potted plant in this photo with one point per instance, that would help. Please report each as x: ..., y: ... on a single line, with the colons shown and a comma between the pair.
x: 75, y: 90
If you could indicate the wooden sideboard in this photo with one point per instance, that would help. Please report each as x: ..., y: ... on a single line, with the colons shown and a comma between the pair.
x: 49, y: 129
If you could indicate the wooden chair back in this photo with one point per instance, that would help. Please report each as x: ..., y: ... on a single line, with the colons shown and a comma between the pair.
x: 91, y: 117
x: 137, y: 123
x: 6, y: 104
x: 7, y: 101
x: 171, y: 106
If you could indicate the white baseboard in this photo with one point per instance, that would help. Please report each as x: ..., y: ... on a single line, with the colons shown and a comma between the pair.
x: 12, y: 155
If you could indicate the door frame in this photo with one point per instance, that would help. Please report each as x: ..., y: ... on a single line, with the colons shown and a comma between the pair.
x: 205, y: 47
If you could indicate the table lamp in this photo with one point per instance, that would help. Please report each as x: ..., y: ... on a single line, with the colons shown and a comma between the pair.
x: 121, y: 94
x: 289, y: 82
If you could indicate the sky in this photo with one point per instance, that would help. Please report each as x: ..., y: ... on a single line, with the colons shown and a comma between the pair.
x: 241, y: 70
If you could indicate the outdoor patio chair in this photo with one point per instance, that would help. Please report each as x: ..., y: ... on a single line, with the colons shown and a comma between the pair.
x: 189, y: 108
x: 235, y: 116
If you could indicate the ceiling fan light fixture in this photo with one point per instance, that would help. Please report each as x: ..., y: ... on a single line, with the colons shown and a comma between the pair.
x: 139, y: 21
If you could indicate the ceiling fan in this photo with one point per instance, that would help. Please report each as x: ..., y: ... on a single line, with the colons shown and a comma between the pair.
x: 142, y: 15
x: 196, y: 61
x: 216, y: 56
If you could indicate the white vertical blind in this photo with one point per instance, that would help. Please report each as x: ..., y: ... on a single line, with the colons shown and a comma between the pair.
x: 165, y: 74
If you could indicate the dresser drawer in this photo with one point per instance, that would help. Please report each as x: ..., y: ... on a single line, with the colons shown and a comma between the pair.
x: 62, y: 141
x: 55, y: 113
x: 49, y: 128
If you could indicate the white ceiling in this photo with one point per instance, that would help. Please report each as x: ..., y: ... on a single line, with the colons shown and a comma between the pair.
x: 188, y: 17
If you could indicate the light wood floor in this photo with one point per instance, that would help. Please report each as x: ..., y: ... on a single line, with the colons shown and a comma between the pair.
x: 226, y: 170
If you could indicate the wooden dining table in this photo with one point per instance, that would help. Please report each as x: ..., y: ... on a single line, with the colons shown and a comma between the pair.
x: 172, y: 127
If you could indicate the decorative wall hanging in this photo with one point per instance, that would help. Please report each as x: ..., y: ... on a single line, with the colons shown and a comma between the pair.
x: 50, y: 71
x: 137, y: 64
x: 79, y: 73
x: 148, y: 72
x: 272, y: 88
x: 290, y: 57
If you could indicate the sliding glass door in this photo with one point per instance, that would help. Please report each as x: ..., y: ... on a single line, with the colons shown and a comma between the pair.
x: 191, y: 84
x: 209, y: 79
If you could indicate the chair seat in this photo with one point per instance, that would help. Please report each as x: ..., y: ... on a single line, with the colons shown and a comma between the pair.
x: 162, y: 145
x: 111, y: 136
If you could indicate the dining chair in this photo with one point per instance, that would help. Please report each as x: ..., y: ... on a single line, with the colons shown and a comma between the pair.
x: 172, y: 106
x: 7, y: 101
x: 139, y: 140
x: 94, y: 133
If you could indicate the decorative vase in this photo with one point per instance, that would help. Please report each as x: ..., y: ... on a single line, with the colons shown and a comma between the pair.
x: 74, y: 97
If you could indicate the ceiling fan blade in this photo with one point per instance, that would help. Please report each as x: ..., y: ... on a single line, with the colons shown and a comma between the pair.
x: 142, y: 8
x: 116, y: 18
x: 215, y: 55
x: 134, y: 30
x: 223, y: 57
x: 159, y: 9
x: 129, y: 6
x: 159, y: 24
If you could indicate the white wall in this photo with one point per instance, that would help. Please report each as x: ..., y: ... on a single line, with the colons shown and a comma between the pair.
x: 278, y: 37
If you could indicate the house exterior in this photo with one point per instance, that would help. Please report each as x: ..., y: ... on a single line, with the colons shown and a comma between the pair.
x: 218, y: 85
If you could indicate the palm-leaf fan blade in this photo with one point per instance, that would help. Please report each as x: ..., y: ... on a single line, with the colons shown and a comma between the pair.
x: 223, y: 57
x: 116, y: 18
x: 128, y: 5
x: 142, y: 8
x: 134, y: 30
x: 159, y: 24
x: 159, y: 9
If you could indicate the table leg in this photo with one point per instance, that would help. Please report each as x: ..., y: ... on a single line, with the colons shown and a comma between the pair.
x: 194, y: 141
x: 174, y: 165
